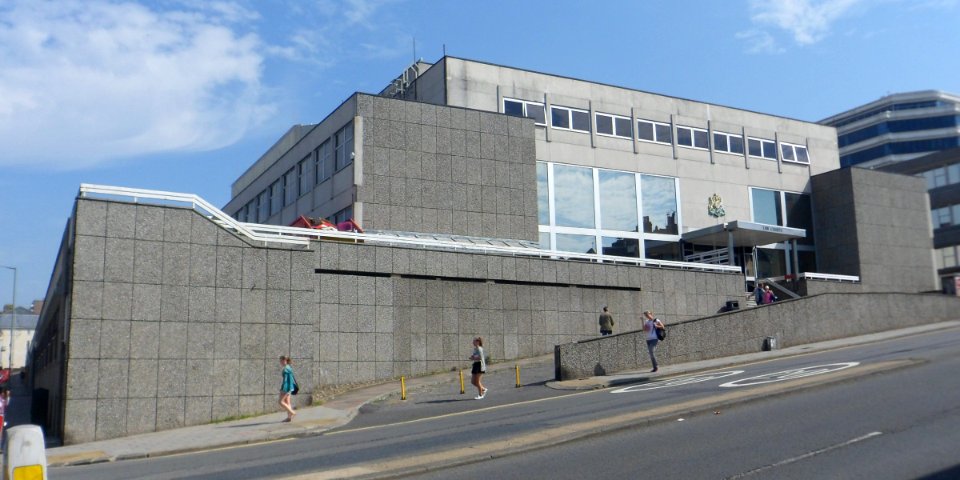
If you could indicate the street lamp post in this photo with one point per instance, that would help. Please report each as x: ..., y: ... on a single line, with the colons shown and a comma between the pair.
x: 12, y: 320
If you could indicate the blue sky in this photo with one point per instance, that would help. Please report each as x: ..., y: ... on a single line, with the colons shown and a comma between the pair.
x: 184, y: 96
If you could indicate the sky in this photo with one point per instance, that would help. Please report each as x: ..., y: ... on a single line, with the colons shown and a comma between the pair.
x: 183, y: 96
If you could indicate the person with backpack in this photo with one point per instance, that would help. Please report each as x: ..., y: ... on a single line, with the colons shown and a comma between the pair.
x: 652, y: 327
x: 288, y: 387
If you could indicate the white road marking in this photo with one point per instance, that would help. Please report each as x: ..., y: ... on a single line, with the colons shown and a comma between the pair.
x: 791, y: 374
x: 676, y: 382
x: 806, y: 455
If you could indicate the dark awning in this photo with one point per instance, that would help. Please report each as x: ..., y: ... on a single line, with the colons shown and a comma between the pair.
x: 744, y: 234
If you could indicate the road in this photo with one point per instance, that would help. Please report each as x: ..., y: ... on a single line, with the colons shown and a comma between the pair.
x: 885, y: 410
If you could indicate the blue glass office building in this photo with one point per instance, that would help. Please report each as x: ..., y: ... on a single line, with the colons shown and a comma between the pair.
x: 897, y: 127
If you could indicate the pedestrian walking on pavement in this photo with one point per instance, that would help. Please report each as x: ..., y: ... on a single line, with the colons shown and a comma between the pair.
x: 606, y: 322
x: 287, y: 387
x: 650, y: 326
x: 479, y: 368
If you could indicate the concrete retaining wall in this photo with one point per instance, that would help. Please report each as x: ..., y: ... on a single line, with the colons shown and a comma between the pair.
x: 794, y: 322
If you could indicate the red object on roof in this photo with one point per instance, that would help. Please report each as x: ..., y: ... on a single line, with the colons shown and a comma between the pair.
x: 315, y: 223
x: 349, y: 226
x: 4, y: 375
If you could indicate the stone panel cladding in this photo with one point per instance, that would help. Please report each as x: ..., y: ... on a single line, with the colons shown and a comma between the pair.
x: 175, y: 321
x: 875, y: 225
x: 436, y: 169
x: 793, y: 322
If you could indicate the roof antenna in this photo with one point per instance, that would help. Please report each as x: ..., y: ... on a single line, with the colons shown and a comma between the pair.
x: 444, y: 49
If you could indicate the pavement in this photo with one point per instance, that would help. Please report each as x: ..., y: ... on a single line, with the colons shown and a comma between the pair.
x: 339, y: 411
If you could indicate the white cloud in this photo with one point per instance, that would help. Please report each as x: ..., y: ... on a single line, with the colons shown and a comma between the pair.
x: 806, y: 21
x: 87, y: 82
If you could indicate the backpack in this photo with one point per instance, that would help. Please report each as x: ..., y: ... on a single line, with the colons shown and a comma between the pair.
x: 661, y: 332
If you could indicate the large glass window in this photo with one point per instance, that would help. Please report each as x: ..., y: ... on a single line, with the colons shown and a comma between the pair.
x: 771, y: 262
x: 621, y: 247
x: 573, y: 196
x: 662, y: 250
x: 344, y: 146
x: 618, y: 200
x: 659, y: 204
x: 766, y: 207
x: 794, y: 153
x: 576, y: 243
x: 523, y: 108
x: 759, y: 147
x: 570, y: 119
x: 543, y: 195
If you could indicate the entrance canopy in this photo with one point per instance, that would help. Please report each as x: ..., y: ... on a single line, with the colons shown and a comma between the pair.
x: 739, y: 233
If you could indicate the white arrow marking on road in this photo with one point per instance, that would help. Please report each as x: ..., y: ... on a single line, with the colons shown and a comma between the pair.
x: 675, y: 382
x: 791, y: 374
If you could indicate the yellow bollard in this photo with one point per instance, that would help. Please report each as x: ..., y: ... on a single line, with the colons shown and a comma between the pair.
x: 403, y: 388
x: 461, y: 382
x: 518, y: 376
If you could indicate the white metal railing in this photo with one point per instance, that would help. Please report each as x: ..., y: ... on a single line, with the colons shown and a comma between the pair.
x: 830, y: 277
x: 303, y: 236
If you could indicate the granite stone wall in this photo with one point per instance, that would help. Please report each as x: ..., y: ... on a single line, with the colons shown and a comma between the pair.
x: 175, y: 321
x: 875, y: 225
x: 794, y: 322
x: 429, y: 168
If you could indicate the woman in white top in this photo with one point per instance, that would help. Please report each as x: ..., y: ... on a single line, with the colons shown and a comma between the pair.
x: 479, y: 368
x: 650, y: 326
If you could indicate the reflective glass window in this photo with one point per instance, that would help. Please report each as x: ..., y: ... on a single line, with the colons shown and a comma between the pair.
x: 291, y: 186
x: 769, y: 149
x: 787, y: 152
x: 252, y: 210
x: 663, y: 133
x: 949, y: 257
x: 581, y: 120
x: 701, y: 139
x: 622, y: 127
x: 543, y: 202
x: 621, y: 247
x: 736, y: 144
x: 344, y: 146
x: 645, y: 130
x: 604, y: 124
x: 659, y: 195
x: 953, y: 173
x: 576, y: 243
x: 545, y: 240
x: 276, y: 197
x: 939, y: 177
x: 662, y: 250
x: 513, y: 107
x: 264, y: 206
x: 618, y: 200
x: 537, y: 112
x: 684, y: 137
x: 771, y: 262
x: 573, y: 196
x: 802, y: 155
x: 754, y: 146
x: 559, y: 117
x: 766, y: 207
x: 720, y: 142
x: 324, y: 161
x: 954, y: 214
x: 307, y: 176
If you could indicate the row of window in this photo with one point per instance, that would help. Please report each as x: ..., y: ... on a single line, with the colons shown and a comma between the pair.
x: 899, y: 148
x: 941, y: 176
x: 896, y: 126
x: 566, y: 118
x: 590, y: 210
x: 318, y: 166
x: 945, y: 216
x: 890, y: 108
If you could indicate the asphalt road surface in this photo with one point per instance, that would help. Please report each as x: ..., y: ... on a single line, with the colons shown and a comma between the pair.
x: 884, y: 410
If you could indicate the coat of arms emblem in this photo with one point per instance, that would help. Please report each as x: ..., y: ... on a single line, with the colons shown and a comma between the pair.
x: 715, y: 206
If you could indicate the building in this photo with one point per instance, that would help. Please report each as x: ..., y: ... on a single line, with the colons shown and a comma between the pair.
x: 618, y: 171
x: 897, y: 127
x: 941, y: 170
x: 25, y: 325
x: 497, y: 202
